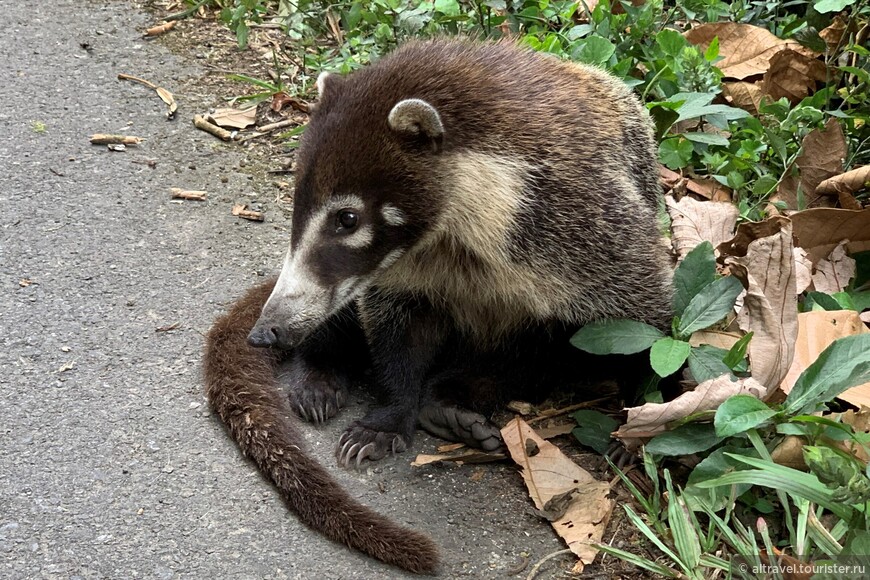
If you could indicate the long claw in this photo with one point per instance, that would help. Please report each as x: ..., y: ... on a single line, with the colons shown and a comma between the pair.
x: 364, y: 453
x: 302, y: 412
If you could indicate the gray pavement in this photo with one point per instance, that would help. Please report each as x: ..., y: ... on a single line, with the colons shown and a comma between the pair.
x: 111, y: 465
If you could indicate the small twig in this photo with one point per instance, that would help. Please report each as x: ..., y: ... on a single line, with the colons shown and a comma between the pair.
x: 200, y: 122
x: 518, y: 567
x: 556, y: 412
x: 537, y: 567
x: 241, y: 210
x: 278, y: 125
x: 141, y: 81
x: 178, y: 193
x: 160, y: 29
x: 106, y: 139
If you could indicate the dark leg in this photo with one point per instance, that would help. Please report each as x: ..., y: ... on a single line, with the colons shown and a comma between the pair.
x: 405, y: 335
x: 321, y: 369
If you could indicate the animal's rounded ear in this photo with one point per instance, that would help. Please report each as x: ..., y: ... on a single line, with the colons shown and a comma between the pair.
x: 417, y: 118
x: 322, y: 81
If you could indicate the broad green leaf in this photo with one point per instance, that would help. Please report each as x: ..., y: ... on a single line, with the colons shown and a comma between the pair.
x: 696, y: 270
x: 671, y: 42
x: 448, y: 7
x: 740, y: 413
x: 675, y: 152
x: 706, y: 138
x: 706, y: 364
x: 595, y: 50
x: 594, y: 429
x: 667, y: 355
x: 712, y: 52
x: 825, y: 6
x: 619, y: 336
x: 710, y: 305
x: 820, y: 301
x: 713, y: 466
x: 843, y: 365
x: 684, y: 440
x: 738, y: 352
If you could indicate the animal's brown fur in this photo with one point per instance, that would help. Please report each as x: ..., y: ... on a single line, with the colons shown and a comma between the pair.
x: 241, y: 388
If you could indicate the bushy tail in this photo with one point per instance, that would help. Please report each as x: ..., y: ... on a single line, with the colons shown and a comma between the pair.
x: 242, y: 389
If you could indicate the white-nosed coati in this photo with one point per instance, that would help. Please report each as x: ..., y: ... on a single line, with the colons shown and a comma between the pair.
x: 473, y: 204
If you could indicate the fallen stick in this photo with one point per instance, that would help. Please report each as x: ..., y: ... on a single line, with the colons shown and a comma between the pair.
x: 161, y: 28
x: 241, y: 210
x: 202, y: 123
x: 178, y: 193
x: 164, y: 95
x: 106, y: 139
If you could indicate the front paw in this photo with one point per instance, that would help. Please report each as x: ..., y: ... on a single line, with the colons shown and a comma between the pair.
x: 359, y: 442
x: 314, y: 394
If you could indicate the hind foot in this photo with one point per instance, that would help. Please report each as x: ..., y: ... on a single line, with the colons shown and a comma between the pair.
x: 359, y: 442
x: 315, y: 394
x: 454, y: 423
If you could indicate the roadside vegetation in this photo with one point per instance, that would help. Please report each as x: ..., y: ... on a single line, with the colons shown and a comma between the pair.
x: 761, y: 110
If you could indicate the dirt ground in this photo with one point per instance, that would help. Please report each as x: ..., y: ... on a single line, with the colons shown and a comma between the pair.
x: 111, y: 464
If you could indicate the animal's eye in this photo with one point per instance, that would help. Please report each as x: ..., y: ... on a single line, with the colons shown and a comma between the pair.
x: 347, y: 219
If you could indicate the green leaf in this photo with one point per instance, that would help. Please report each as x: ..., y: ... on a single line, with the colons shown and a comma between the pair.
x: 710, y: 305
x: 619, y: 336
x: 671, y: 42
x: 685, y: 537
x: 843, y: 365
x: 713, y: 466
x: 667, y: 355
x: 448, y: 7
x: 663, y: 117
x: 675, y: 152
x: 820, y: 301
x: 594, y: 429
x: 738, y: 351
x: 739, y: 414
x: 697, y: 270
x: 707, y: 138
x: 712, y: 52
x: 684, y: 440
x: 825, y: 6
x: 707, y: 364
x: 595, y: 49
x: 860, y: 300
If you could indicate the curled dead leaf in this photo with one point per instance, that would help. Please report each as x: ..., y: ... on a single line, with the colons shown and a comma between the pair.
x: 651, y: 419
x: 816, y: 331
x: 746, y: 49
x: 832, y: 274
x: 820, y: 230
x: 761, y: 256
x: 823, y: 152
x: 231, y: 118
x: 550, y: 474
x: 693, y: 222
x: 742, y: 94
x: 850, y: 182
x: 792, y: 75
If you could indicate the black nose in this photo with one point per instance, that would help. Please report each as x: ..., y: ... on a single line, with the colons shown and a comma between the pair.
x: 263, y: 336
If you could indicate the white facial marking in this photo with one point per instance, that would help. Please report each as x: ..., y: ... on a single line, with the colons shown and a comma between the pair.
x: 391, y: 258
x: 349, y: 201
x: 393, y: 215
x: 321, y: 83
x: 345, y: 289
x: 361, y: 238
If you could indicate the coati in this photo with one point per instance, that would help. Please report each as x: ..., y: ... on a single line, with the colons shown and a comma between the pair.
x: 466, y: 207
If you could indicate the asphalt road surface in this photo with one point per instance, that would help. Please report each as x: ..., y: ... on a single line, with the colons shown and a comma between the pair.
x: 111, y: 465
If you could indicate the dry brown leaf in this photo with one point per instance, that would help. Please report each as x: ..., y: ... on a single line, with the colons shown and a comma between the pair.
x: 849, y: 182
x: 790, y: 453
x: 865, y: 316
x: 833, y: 273
x: 230, y: 118
x: 651, y: 419
x: 816, y: 331
x: 746, y: 49
x: 820, y: 230
x: 555, y: 431
x: 761, y: 256
x: 468, y: 456
x: 860, y: 422
x: 822, y: 157
x: 792, y: 75
x: 803, y: 268
x: 744, y: 95
x: 709, y: 189
x: 550, y: 473
x: 716, y: 338
x: 834, y: 33
x: 693, y: 222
